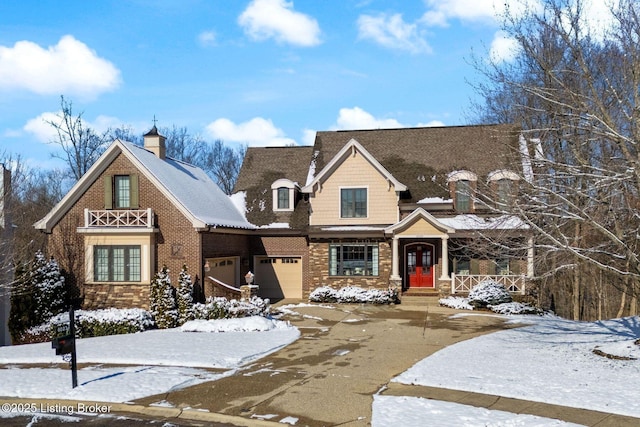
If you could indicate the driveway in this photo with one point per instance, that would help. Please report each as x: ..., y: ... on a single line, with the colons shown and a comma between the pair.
x: 345, y: 355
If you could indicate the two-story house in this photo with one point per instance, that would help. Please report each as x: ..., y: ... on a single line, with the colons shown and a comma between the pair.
x: 394, y: 207
x: 372, y: 208
x: 136, y: 210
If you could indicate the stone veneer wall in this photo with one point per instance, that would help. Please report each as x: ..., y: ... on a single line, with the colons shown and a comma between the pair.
x: 105, y: 295
x: 319, y: 268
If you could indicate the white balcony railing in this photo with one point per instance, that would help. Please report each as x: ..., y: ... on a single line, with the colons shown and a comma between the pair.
x: 118, y: 218
x: 463, y: 283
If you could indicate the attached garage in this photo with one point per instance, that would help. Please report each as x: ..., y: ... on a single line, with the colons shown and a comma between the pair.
x: 278, y: 277
x: 226, y: 270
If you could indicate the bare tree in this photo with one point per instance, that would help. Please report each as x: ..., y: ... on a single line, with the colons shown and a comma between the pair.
x: 220, y: 162
x: 81, y: 146
x: 224, y: 164
x: 575, y: 90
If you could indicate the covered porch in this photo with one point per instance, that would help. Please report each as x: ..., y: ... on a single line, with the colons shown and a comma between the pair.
x: 426, y: 258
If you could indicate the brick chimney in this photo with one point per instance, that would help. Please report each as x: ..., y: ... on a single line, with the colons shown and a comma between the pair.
x: 154, y: 142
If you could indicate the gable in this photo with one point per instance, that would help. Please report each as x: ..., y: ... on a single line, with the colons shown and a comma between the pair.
x: 421, y: 158
x: 351, y: 150
x: 186, y: 187
x: 419, y: 223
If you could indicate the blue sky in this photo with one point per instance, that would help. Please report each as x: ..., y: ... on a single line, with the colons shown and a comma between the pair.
x: 261, y: 72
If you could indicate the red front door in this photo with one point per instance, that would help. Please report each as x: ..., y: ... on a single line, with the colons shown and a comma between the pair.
x: 420, y: 265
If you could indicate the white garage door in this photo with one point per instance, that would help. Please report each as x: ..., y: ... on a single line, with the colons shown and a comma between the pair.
x: 279, y: 277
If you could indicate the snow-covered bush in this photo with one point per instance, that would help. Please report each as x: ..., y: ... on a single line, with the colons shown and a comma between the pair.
x: 458, y: 303
x: 354, y: 294
x: 38, y: 294
x: 51, y: 295
x: 184, y: 296
x: 93, y: 323
x: 488, y: 292
x: 110, y: 321
x: 323, y: 294
x: 222, y: 308
x: 162, y: 300
x: 510, y: 308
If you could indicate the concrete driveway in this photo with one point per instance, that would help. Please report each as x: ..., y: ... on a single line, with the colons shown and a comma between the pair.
x: 345, y: 355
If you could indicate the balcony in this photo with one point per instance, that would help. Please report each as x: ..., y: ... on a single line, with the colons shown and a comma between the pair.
x: 130, y: 218
x: 464, y: 283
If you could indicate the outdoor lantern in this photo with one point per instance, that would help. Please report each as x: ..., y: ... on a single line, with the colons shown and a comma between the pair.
x: 249, y: 278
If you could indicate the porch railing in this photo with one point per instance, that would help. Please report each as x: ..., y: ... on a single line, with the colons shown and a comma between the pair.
x: 463, y: 283
x: 119, y: 218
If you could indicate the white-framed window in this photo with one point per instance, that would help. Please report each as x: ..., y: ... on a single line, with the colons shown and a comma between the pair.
x: 283, y: 198
x: 353, y: 203
x: 284, y: 192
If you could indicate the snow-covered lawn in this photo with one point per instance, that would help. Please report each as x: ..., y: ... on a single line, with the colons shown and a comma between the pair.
x: 551, y: 361
x: 157, y: 360
x: 415, y: 411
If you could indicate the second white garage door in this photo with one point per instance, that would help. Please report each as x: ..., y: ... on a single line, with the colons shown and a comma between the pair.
x: 279, y: 277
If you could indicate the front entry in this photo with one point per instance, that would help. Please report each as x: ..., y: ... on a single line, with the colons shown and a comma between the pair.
x: 419, y: 258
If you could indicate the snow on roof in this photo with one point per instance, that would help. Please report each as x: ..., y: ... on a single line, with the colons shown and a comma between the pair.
x: 276, y: 225
x: 353, y: 228
x: 239, y: 200
x: 192, y: 188
x: 474, y: 222
x: 435, y: 200
x: 312, y: 168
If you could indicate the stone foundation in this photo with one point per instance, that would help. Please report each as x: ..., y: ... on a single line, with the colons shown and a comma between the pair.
x: 104, y: 295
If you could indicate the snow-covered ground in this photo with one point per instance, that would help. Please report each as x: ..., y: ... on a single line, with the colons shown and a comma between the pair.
x: 551, y: 361
x: 157, y: 360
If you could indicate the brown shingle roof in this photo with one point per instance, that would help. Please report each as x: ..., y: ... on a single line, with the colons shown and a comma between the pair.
x: 282, y: 162
x: 421, y: 158
x: 261, y: 168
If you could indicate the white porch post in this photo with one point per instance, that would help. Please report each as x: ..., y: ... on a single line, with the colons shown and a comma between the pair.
x: 395, y: 266
x: 445, y: 258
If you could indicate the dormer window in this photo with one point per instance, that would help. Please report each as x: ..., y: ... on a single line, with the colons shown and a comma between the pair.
x: 463, y: 196
x: 503, y: 183
x: 283, y: 198
x: 462, y: 186
x: 284, y: 192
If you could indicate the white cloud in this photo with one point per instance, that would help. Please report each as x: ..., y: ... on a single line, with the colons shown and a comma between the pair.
x: 257, y: 132
x: 503, y: 48
x: 357, y: 118
x: 392, y: 32
x: 69, y: 67
x: 439, y: 12
x: 265, y: 19
x: 40, y: 128
x: 308, y: 137
x: 432, y: 124
x: 207, y: 38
